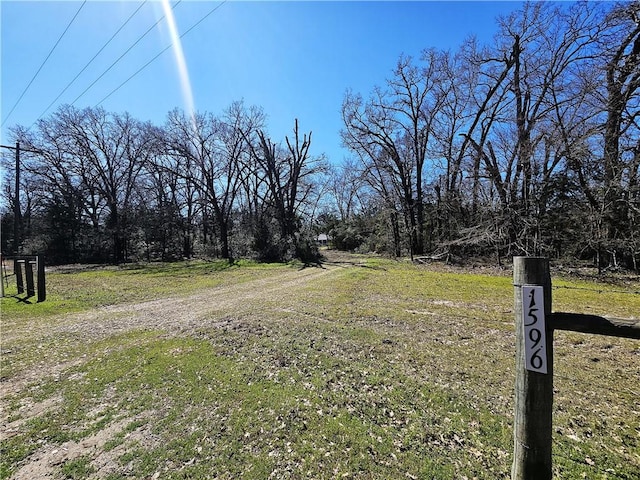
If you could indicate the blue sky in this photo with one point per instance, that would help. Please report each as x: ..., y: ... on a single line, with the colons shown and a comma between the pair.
x: 294, y: 59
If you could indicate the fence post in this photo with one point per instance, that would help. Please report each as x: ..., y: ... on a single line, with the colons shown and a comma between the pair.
x: 28, y: 272
x: 534, y: 391
x: 42, y: 286
x: 17, y: 269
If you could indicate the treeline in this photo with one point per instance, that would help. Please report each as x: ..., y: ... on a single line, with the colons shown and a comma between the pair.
x: 105, y: 187
x: 529, y: 145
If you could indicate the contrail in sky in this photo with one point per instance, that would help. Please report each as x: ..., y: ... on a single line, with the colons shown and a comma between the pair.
x: 181, y: 63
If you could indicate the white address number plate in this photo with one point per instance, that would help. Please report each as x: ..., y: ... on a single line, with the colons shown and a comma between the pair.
x: 535, y: 347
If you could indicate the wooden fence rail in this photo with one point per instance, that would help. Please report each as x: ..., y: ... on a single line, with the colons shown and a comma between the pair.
x: 579, y: 322
x: 535, y: 325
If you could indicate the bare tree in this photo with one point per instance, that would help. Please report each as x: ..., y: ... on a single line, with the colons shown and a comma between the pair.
x: 345, y: 186
x: 92, y: 159
x: 288, y: 175
x: 539, y: 47
x: 391, y: 134
x: 597, y: 109
x: 170, y: 205
x: 622, y: 125
x: 115, y: 148
x: 214, y: 150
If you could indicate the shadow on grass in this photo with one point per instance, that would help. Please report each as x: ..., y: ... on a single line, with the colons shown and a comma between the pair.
x: 22, y: 299
x: 357, y: 264
x: 349, y: 264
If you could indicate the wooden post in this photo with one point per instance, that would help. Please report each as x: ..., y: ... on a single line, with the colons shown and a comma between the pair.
x: 42, y: 289
x: 534, y: 390
x: 2, y: 276
x: 17, y: 269
x: 16, y: 205
x: 28, y: 270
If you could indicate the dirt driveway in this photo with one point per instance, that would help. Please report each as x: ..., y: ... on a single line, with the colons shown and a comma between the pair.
x: 209, y: 308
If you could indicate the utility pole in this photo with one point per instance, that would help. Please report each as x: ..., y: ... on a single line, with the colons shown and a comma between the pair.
x: 16, y: 205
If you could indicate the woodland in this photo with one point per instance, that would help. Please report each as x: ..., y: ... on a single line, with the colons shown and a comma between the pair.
x: 529, y: 145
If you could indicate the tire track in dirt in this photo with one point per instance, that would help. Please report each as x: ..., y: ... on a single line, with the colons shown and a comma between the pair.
x: 174, y: 311
x: 207, y: 308
x: 184, y: 312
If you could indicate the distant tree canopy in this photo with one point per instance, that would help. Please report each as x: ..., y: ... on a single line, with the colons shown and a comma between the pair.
x: 527, y: 146
x: 109, y: 188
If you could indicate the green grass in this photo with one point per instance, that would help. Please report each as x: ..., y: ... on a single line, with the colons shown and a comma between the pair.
x: 382, y: 371
x: 84, y: 289
x: 77, y: 469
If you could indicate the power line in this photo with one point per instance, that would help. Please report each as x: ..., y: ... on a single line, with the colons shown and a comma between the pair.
x: 161, y: 52
x: 121, y: 56
x: 203, y: 18
x: 91, y: 61
x: 43, y: 63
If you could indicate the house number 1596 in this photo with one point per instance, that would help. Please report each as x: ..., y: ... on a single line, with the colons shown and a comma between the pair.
x: 534, y: 329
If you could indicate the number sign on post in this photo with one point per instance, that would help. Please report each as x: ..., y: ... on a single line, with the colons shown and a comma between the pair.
x: 535, y: 348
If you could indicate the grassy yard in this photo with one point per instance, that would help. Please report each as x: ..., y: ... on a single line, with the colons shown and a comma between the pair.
x: 364, y: 369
